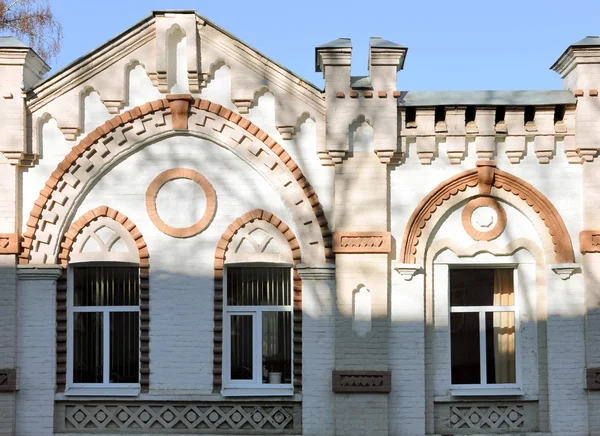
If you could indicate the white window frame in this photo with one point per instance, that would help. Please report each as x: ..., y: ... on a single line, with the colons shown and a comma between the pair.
x: 104, y: 388
x: 254, y: 387
x: 484, y: 388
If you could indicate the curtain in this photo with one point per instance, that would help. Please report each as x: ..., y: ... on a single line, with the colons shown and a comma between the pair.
x: 504, y: 327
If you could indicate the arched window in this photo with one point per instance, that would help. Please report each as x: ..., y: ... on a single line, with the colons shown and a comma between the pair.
x: 258, y: 313
x: 103, y: 311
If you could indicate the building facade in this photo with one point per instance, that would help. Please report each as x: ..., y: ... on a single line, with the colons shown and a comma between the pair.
x: 193, y: 240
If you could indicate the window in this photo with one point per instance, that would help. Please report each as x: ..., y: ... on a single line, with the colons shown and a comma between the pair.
x: 103, y: 329
x: 483, y: 334
x: 257, y: 341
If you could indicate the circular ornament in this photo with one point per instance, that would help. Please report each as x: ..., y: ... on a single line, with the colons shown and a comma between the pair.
x: 174, y: 174
x: 484, y: 218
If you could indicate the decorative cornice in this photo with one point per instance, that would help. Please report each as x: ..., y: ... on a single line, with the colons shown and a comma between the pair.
x: 362, y: 242
x: 485, y: 176
x: 589, y: 241
x: 361, y: 382
x: 20, y: 158
x: 9, y: 243
x: 174, y: 174
x: 316, y: 272
x: 123, y: 131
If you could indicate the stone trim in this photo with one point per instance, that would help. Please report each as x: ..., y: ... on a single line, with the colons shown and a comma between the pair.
x: 9, y: 243
x: 483, y: 202
x: 361, y: 382
x: 220, y: 259
x: 592, y: 379
x: 8, y: 380
x: 174, y: 174
x: 119, y: 134
x: 183, y: 417
x: 362, y: 242
x: 589, y: 241
x: 486, y: 176
x: 61, y: 293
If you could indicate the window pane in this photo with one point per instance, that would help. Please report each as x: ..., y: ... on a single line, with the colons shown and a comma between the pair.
x: 87, y: 347
x: 106, y: 286
x: 241, y: 347
x: 464, y: 344
x: 277, y: 347
x: 253, y: 286
x: 500, y: 352
x: 471, y: 287
x: 124, y: 347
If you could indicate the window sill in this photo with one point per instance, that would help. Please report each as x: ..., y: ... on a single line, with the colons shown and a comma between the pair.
x: 487, y: 392
x: 104, y: 391
x: 266, y: 391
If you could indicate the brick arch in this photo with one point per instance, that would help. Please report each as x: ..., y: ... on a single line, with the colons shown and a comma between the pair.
x: 220, y: 258
x: 67, y: 242
x: 484, y: 177
x: 87, y: 161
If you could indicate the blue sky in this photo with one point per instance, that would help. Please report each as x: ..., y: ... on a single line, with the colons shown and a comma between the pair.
x: 453, y: 45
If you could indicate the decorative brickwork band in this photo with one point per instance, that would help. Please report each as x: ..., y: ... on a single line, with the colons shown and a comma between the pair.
x: 589, y: 241
x: 9, y: 243
x: 168, y: 417
x: 69, y: 240
x: 220, y: 258
x: 361, y: 382
x: 120, y: 135
x: 174, y: 174
x: 362, y: 242
x: 485, y: 176
x: 8, y: 379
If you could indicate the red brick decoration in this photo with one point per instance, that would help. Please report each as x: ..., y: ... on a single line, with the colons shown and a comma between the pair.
x: 174, y: 174
x: 9, y: 243
x: 485, y: 176
x: 589, y: 241
x: 494, y: 232
x: 362, y: 242
x: 61, y: 293
x: 50, y: 210
x: 220, y: 258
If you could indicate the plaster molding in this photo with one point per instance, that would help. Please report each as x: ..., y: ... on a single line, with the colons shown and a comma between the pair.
x: 362, y: 242
x: 124, y: 133
x: 565, y: 270
x: 20, y: 158
x: 219, y: 265
x: 484, y: 177
x: 39, y: 272
x: 361, y: 382
x: 408, y: 270
x: 467, y: 218
x: 175, y: 174
x: 316, y: 272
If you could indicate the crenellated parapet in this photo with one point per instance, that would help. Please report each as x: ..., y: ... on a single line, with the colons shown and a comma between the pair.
x: 490, y: 123
x: 348, y: 98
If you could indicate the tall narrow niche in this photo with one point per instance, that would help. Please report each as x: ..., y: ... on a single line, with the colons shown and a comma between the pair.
x: 177, y: 79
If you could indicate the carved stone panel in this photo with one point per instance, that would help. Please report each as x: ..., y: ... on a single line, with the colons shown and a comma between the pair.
x: 589, y: 241
x: 592, y: 379
x: 9, y: 243
x: 161, y: 417
x: 8, y: 380
x: 466, y: 417
x: 362, y: 242
x: 361, y: 381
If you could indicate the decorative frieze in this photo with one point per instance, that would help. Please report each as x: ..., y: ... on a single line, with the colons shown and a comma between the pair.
x: 241, y: 417
x: 9, y: 243
x: 362, y: 242
x: 8, y: 380
x: 485, y: 417
x: 361, y: 381
x: 589, y: 241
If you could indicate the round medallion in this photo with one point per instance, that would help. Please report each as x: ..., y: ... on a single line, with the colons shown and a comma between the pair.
x: 176, y: 187
x: 484, y: 218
